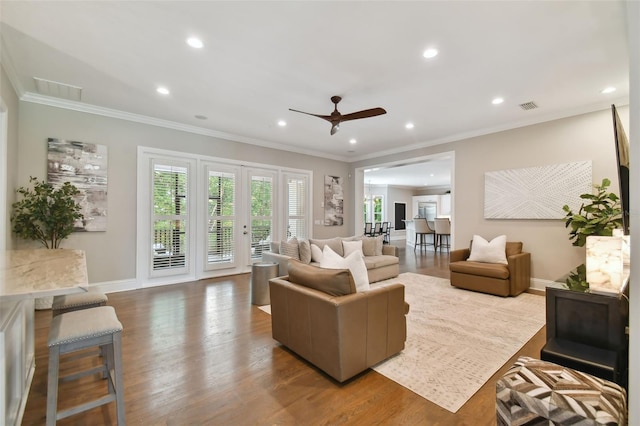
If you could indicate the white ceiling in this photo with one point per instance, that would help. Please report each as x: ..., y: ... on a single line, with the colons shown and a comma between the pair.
x: 262, y: 58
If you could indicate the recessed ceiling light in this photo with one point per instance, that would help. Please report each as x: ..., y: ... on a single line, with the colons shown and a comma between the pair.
x: 497, y: 101
x: 608, y: 90
x: 162, y: 90
x: 194, y: 42
x: 352, y: 141
x: 431, y: 175
x: 409, y: 126
x: 282, y: 123
x: 430, y: 53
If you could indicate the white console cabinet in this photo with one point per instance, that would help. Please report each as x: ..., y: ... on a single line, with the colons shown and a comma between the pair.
x: 16, y: 358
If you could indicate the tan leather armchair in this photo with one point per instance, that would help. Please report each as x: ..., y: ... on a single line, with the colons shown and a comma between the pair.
x: 343, y: 333
x: 493, y: 278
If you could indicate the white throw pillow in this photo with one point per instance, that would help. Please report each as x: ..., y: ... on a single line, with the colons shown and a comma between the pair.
x: 488, y: 251
x: 316, y: 253
x: 351, y: 246
x: 354, y: 263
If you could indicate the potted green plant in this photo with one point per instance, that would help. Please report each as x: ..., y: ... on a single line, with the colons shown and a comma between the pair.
x: 45, y: 213
x: 600, y: 214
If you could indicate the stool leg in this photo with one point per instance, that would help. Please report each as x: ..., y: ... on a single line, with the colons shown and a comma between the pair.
x: 52, y: 385
x: 108, y: 362
x: 117, y: 361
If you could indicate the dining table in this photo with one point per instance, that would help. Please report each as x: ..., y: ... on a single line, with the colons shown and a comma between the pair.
x: 24, y: 276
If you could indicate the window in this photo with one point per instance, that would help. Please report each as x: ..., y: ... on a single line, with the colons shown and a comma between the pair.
x: 297, y: 206
x: 373, y: 208
x: 170, y: 213
x: 262, y: 193
x: 221, y: 217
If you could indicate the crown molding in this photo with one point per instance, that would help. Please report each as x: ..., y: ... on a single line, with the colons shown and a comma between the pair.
x: 622, y: 101
x: 151, y: 121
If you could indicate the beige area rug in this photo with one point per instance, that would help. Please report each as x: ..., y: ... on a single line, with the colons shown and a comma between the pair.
x: 457, y: 339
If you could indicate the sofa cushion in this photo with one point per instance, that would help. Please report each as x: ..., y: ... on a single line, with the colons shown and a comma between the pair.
x: 336, y: 282
x: 493, y: 270
x: 290, y: 248
x: 354, y: 262
x: 304, y: 248
x: 493, y: 251
x: 334, y: 243
x: 374, y: 262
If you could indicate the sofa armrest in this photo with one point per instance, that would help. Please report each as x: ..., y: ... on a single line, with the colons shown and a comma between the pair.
x: 390, y: 250
x: 519, y: 272
x: 459, y: 255
x: 342, y: 335
x: 281, y: 259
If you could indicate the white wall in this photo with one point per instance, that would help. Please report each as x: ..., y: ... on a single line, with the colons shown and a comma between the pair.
x: 10, y: 172
x: 111, y: 255
x: 579, y: 138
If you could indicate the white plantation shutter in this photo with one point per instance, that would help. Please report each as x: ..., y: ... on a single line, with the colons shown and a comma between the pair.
x: 169, y: 218
x: 297, y: 206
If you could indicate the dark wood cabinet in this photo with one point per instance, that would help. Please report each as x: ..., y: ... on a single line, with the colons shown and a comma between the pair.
x: 586, y: 332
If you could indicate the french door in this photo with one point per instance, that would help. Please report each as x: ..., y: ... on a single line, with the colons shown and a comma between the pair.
x: 200, y: 217
x: 240, y: 215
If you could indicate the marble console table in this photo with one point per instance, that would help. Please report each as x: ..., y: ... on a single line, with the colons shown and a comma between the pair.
x: 25, y: 275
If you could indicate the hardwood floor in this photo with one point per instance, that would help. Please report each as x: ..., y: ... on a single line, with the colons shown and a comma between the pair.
x: 199, y: 353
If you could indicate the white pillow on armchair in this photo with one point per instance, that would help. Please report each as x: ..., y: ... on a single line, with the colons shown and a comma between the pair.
x: 493, y: 251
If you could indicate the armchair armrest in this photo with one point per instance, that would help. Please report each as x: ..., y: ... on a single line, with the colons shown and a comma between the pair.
x: 459, y: 255
x: 390, y: 250
x: 519, y: 272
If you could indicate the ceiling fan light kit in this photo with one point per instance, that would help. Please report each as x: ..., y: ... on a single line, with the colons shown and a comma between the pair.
x: 336, y: 117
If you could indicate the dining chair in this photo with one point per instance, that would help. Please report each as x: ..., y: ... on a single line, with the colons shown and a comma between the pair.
x: 377, y: 229
x: 368, y: 228
x: 384, y: 231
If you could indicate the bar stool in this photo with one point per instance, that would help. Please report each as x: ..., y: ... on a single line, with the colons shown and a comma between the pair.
x: 76, y: 331
x: 77, y: 301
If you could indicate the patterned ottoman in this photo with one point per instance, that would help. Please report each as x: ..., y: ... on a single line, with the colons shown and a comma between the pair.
x: 536, y: 392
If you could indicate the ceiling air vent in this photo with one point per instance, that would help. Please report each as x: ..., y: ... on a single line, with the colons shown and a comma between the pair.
x: 58, y: 90
x: 528, y: 105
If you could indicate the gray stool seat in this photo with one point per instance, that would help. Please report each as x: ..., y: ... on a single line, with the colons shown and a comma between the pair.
x: 77, y: 301
x: 76, y: 331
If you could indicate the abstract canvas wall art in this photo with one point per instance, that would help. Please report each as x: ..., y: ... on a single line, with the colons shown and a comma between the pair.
x: 536, y: 192
x: 333, y: 201
x: 85, y: 166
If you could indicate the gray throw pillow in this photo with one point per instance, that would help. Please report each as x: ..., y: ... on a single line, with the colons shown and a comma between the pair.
x: 304, y: 248
x: 290, y: 248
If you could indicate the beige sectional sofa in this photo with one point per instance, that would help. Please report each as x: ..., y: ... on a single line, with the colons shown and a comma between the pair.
x: 381, y: 260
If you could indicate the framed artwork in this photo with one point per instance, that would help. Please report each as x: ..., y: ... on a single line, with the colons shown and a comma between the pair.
x: 536, y: 192
x: 84, y: 165
x: 333, y: 201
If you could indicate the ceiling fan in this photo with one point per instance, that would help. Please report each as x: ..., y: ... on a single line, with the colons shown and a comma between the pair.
x: 336, y: 118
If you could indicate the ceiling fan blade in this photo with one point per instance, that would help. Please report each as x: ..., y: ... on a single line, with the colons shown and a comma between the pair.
x: 363, y: 114
x: 324, y: 117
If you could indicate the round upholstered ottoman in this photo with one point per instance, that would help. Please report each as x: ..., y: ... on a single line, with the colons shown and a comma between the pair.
x: 536, y: 392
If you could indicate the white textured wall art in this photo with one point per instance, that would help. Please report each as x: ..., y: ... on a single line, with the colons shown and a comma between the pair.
x: 536, y: 192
